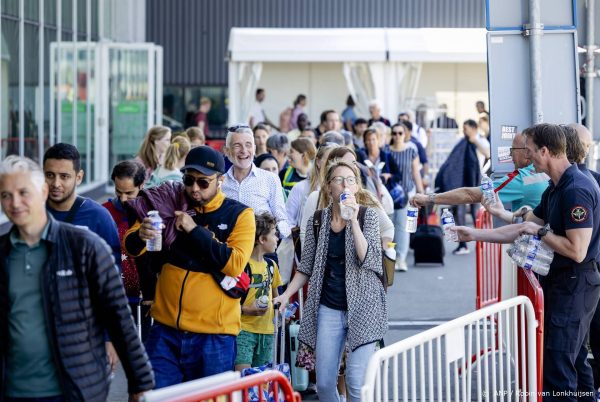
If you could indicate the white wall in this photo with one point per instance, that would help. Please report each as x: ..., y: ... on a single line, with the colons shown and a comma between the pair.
x: 322, y: 83
x: 457, y: 85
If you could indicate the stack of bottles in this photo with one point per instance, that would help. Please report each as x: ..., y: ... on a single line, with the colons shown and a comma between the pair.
x: 529, y: 252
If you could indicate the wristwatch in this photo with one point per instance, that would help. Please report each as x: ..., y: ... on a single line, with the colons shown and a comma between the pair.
x: 431, y: 198
x: 543, y: 231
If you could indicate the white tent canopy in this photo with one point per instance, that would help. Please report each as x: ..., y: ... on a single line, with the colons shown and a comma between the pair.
x: 378, y: 63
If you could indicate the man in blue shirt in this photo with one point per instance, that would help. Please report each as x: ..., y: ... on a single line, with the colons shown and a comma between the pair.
x: 62, y: 169
x: 63, y: 173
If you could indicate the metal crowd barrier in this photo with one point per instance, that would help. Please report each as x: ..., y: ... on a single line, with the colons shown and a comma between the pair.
x: 528, y: 285
x: 229, y: 388
x: 487, y: 355
x: 489, y: 263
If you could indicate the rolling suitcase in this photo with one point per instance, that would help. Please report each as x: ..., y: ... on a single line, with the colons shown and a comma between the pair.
x: 299, y: 374
x: 428, y: 243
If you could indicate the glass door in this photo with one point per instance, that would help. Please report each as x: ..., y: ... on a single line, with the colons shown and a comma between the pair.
x: 104, y: 100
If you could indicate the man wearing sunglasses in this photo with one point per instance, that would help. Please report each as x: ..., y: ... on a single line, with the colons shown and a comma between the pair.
x: 207, y: 242
x: 523, y: 186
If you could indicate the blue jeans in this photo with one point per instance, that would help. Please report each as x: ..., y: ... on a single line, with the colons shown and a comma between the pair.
x: 332, y: 329
x: 401, y: 236
x: 43, y: 399
x: 179, y: 356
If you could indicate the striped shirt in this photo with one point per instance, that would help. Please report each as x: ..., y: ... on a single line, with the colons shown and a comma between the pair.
x: 404, y: 160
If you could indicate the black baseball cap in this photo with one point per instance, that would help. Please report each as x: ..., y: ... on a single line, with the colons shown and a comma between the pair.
x: 205, y: 160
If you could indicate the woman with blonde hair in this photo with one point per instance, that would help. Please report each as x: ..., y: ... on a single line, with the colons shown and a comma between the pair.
x: 301, y: 156
x: 174, y: 161
x: 346, y: 303
x: 153, y: 148
x: 196, y: 136
x: 318, y: 199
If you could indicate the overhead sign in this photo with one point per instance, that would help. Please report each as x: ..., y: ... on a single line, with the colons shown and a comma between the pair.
x: 513, y: 14
x: 509, y: 83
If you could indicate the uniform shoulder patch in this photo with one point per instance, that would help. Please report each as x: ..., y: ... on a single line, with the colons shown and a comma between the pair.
x: 579, y: 214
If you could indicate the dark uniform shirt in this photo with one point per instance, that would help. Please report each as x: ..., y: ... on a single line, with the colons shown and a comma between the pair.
x: 572, y: 204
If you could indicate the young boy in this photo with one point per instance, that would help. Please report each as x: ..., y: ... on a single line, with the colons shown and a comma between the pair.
x: 255, y: 342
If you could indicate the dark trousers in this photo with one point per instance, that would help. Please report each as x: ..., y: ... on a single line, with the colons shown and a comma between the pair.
x: 570, y: 297
x: 45, y: 399
x: 595, y: 342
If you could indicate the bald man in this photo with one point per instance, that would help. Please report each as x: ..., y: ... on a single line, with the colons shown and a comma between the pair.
x: 523, y: 186
x: 586, y: 138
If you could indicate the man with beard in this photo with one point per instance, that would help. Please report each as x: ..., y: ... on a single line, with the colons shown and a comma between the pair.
x: 207, y: 241
x: 63, y: 173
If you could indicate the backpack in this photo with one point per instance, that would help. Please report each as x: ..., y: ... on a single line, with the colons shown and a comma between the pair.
x: 270, y: 273
x: 317, y: 217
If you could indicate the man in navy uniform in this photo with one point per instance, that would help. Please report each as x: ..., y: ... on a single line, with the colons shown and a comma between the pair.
x: 571, y: 207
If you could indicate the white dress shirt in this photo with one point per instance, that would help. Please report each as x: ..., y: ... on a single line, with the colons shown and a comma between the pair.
x: 261, y: 191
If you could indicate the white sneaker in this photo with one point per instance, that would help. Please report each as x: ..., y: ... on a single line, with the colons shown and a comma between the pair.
x: 401, y: 266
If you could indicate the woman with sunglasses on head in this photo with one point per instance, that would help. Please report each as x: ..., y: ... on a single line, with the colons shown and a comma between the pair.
x: 406, y: 157
x: 346, y: 303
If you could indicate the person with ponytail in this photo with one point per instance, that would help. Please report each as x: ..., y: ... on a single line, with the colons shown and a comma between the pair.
x: 174, y: 160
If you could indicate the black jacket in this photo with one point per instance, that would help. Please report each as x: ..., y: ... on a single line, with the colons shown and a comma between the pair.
x: 79, y: 308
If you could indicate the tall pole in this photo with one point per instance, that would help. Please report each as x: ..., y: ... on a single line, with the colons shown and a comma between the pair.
x: 590, y: 65
x: 535, y: 30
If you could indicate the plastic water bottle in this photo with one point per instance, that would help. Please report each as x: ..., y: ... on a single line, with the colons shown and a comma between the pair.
x: 155, y: 244
x: 290, y: 310
x: 390, y: 251
x: 487, y: 187
x: 412, y: 214
x: 345, y: 210
x: 448, y: 222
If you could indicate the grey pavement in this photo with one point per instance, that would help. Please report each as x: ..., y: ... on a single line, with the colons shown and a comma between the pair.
x: 420, y: 298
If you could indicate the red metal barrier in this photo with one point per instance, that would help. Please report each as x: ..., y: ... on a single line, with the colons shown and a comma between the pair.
x: 242, y: 385
x: 489, y: 265
x: 528, y: 285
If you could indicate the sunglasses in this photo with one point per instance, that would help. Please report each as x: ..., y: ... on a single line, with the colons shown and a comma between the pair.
x: 237, y: 127
x: 511, y: 150
x: 397, y: 132
x: 203, y: 183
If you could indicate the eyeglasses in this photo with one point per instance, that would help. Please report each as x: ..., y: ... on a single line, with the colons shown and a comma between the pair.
x: 397, y: 132
x: 512, y: 149
x: 237, y: 127
x: 339, y: 180
x: 203, y: 183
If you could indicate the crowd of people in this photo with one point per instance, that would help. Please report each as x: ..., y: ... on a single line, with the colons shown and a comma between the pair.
x: 246, y: 228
